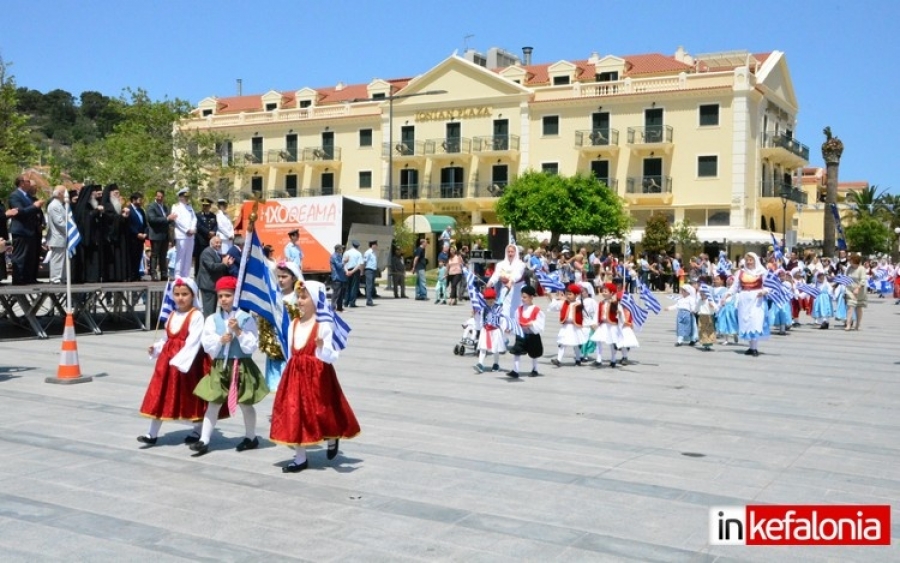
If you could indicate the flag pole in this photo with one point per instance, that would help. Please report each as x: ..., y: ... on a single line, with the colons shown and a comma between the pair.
x: 245, y: 252
x: 69, y: 308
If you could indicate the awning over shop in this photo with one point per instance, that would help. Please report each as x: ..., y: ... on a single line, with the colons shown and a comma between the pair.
x: 429, y: 223
x: 374, y: 202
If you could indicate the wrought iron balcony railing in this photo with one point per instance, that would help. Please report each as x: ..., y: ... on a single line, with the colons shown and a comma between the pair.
x: 495, y: 143
x: 650, y: 134
x: 648, y: 185
x: 596, y: 137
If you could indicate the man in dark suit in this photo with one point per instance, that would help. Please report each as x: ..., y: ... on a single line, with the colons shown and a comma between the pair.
x: 207, y: 227
x: 212, y: 267
x: 137, y: 229
x: 158, y: 220
x: 26, y: 228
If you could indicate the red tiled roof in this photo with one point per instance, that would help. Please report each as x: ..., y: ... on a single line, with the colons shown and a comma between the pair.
x: 653, y: 63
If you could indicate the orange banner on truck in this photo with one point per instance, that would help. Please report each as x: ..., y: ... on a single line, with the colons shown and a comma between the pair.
x: 318, y: 219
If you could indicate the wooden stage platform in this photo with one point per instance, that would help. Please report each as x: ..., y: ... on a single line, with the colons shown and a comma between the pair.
x: 31, y: 310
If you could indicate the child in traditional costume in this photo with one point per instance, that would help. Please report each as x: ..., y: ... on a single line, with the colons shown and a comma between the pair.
x: 840, y: 303
x: 571, y: 319
x: 706, y: 312
x: 531, y: 319
x: 606, y: 327
x: 310, y: 406
x: 286, y: 274
x: 823, y: 309
x: 490, y: 337
x: 230, y: 337
x: 726, y: 316
x: 180, y: 364
x: 684, y: 322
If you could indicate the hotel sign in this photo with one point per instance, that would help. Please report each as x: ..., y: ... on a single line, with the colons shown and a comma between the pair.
x: 455, y: 113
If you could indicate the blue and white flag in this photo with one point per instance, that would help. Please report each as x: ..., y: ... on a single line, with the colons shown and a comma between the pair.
x: 842, y: 244
x: 649, y: 300
x: 777, y: 292
x: 638, y: 315
x: 550, y: 282
x: 73, y: 237
x: 842, y: 279
x: 325, y: 314
x: 475, y: 296
x: 168, y: 304
x: 776, y: 248
x: 882, y: 274
x: 258, y: 291
x: 808, y: 289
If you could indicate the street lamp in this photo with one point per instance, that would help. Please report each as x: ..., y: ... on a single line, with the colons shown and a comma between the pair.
x: 897, y: 232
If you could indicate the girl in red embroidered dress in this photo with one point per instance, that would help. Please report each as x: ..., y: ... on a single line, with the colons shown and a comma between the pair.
x: 310, y: 406
x: 180, y: 364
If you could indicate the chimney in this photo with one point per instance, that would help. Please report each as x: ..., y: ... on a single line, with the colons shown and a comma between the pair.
x: 526, y: 53
x: 240, y: 86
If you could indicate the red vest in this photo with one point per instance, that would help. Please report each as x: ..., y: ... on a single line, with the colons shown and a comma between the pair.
x: 564, y: 313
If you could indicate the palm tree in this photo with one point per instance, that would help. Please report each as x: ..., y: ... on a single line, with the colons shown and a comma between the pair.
x: 865, y: 203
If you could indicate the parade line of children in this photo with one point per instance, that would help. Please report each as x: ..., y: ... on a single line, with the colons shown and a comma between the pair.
x: 204, y: 372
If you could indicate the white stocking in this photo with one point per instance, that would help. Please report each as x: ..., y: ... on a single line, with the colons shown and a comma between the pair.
x: 299, y: 455
x: 249, y: 421
x: 155, y: 425
x: 209, y: 421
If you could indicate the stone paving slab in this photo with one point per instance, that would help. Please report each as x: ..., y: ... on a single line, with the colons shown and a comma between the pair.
x: 581, y: 464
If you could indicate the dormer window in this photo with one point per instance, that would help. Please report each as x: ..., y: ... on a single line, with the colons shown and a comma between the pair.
x: 271, y: 107
x: 610, y: 76
x: 379, y: 96
x: 305, y: 103
x: 207, y: 112
x: 560, y: 80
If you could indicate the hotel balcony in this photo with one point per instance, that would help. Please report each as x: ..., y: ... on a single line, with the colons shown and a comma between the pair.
x: 448, y: 148
x: 611, y: 183
x: 449, y: 190
x: 404, y: 150
x: 782, y: 190
x: 403, y: 192
x: 323, y: 156
x: 600, y: 141
x: 496, y: 144
x: 281, y: 156
x: 313, y: 192
x: 781, y: 149
x: 488, y: 189
x: 248, y: 158
x: 649, y: 189
x: 651, y: 137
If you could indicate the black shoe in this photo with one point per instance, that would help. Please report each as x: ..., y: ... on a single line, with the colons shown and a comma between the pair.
x: 534, y: 373
x: 692, y: 342
x: 624, y: 362
x: 513, y: 374
x: 200, y: 447
x: 612, y: 364
x: 495, y: 367
x: 333, y: 450
x: 755, y: 353
x: 749, y: 352
x: 479, y: 368
x: 555, y: 362
x: 191, y: 438
x: 295, y: 467
x: 824, y: 326
x: 248, y: 444
x: 341, y: 310
x: 578, y: 363
x: 144, y: 439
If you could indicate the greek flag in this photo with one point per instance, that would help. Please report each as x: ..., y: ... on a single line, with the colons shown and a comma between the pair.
x: 777, y: 293
x: 325, y: 314
x: 168, y: 304
x: 550, y: 282
x: 650, y: 302
x: 638, y: 315
x: 808, y: 289
x: 882, y: 274
x: 73, y: 237
x: 779, y: 253
x: 259, y: 291
x: 842, y: 244
x: 475, y: 296
x: 842, y: 279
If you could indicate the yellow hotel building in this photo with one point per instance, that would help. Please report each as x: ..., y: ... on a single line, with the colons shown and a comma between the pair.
x: 705, y: 137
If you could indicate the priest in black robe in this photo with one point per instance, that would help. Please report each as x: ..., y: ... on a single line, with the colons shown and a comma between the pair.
x: 88, y: 216
x: 116, y: 231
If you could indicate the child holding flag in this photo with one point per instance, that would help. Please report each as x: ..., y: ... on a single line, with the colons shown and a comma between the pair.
x: 310, y: 406
x: 180, y: 364
x: 531, y: 319
x: 230, y: 337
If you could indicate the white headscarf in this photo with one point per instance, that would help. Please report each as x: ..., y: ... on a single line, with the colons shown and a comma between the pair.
x: 758, y: 269
x: 314, y: 289
x: 191, y: 284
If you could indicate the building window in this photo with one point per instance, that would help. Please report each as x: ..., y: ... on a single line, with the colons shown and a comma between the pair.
x: 551, y: 125
x: 551, y: 168
x: 707, y: 166
x: 719, y: 218
x: 709, y: 115
x: 560, y: 80
x: 365, y: 179
x: 207, y: 112
x: 365, y: 137
x: 610, y: 76
x: 290, y: 185
x: 305, y: 103
x: 270, y: 107
x: 379, y: 96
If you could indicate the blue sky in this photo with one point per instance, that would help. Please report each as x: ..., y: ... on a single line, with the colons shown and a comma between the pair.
x: 842, y: 53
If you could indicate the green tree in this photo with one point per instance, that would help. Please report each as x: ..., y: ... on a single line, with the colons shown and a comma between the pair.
x: 657, y: 234
x: 578, y: 205
x: 868, y: 202
x: 16, y: 148
x: 869, y: 235
x: 684, y: 235
x: 404, y: 238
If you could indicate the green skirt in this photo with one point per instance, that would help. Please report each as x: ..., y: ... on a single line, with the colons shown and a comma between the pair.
x: 252, y: 388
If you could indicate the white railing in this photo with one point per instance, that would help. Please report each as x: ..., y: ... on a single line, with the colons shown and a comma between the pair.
x: 682, y: 81
x: 256, y: 118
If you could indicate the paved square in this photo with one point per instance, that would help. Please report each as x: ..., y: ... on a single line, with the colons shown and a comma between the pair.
x: 578, y: 465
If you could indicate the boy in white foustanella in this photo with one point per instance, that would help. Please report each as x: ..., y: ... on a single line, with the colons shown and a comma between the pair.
x: 531, y: 319
x: 572, y: 319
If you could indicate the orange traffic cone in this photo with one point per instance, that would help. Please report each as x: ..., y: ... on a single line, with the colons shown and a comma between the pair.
x: 69, y: 371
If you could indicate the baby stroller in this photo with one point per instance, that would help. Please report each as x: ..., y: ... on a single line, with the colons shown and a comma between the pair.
x: 469, y: 338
